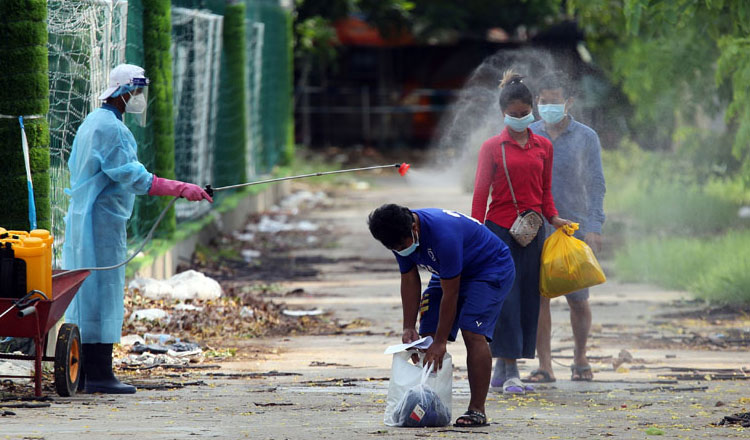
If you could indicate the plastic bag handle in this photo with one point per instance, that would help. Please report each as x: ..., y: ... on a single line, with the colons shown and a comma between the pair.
x: 570, y: 229
x: 425, y: 373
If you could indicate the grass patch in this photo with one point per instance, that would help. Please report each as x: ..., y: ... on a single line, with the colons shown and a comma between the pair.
x: 715, y: 270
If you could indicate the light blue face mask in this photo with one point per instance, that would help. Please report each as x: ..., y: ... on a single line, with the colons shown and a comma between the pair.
x: 410, y: 250
x: 519, y: 124
x: 552, y: 113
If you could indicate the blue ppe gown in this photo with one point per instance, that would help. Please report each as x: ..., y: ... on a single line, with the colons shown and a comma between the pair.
x: 105, y: 176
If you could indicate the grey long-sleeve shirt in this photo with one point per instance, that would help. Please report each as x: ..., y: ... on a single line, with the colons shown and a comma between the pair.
x: 577, y: 178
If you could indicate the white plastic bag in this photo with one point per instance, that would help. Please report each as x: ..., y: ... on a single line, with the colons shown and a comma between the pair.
x: 417, y: 396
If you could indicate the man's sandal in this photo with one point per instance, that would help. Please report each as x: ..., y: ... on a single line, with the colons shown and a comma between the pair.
x: 475, y: 419
x: 577, y: 373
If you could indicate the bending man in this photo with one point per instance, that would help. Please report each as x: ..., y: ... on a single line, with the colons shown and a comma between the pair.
x: 472, y: 273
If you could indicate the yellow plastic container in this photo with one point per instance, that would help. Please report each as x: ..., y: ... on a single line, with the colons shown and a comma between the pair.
x: 48, y: 240
x: 33, y: 251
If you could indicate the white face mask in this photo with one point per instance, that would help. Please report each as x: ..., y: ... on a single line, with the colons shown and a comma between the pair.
x: 136, y: 104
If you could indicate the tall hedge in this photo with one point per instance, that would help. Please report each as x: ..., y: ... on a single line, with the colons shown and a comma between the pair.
x: 24, y: 91
x: 157, y: 41
x: 231, y: 146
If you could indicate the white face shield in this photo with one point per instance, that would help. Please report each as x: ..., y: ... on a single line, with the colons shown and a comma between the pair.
x: 138, y: 102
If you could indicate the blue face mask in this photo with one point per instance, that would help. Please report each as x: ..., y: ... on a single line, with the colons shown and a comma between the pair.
x: 552, y: 113
x: 519, y: 124
x: 410, y: 250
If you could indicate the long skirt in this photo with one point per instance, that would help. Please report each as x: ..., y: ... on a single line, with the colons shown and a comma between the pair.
x: 515, y: 331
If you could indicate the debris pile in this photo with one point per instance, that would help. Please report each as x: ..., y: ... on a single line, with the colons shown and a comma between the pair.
x: 741, y: 419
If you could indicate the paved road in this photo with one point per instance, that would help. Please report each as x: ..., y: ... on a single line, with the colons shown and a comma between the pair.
x: 342, y: 382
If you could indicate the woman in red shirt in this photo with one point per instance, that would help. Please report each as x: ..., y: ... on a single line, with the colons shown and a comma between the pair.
x: 528, y: 159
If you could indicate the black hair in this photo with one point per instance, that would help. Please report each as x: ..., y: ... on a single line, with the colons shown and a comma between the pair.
x: 513, y: 89
x: 391, y: 224
x: 555, y: 80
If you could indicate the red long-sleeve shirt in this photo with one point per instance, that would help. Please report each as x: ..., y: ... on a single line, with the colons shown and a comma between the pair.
x: 530, y: 169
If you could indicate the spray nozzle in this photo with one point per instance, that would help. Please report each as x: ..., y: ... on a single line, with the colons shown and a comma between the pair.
x: 403, y: 168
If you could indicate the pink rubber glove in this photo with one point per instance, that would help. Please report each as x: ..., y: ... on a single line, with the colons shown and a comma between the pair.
x: 166, y: 187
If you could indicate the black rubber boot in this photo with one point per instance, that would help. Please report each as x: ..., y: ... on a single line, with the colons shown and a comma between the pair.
x: 100, y: 378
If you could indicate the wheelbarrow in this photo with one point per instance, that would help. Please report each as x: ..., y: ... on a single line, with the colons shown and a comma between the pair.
x: 33, y: 318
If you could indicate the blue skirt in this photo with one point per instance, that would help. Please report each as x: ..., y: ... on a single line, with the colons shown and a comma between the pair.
x: 515, y: 331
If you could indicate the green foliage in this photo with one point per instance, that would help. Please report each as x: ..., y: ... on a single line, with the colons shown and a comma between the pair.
x: 157, y: 40
x: 675, y: 59
x: 24, y: 90
x: 231, y: 145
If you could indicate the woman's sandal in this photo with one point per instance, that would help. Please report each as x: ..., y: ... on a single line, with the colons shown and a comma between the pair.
x: 475, y: 419
x: 515, y: 386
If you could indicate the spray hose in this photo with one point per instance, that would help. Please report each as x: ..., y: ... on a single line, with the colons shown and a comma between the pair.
x: 402, y: 169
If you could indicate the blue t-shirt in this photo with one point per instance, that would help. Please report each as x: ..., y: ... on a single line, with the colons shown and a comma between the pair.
x: 452, y: 244
x: 577, y: 178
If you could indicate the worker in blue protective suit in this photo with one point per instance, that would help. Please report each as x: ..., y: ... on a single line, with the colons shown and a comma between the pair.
x: 105, y: 176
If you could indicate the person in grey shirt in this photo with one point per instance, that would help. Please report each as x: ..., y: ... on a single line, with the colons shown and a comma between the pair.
x: 578, y: 190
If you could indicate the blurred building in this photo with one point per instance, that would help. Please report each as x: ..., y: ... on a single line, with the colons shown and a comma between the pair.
x: 393, y: 92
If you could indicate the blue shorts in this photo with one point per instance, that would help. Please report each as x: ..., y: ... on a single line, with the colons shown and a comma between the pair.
x: 479, y: 305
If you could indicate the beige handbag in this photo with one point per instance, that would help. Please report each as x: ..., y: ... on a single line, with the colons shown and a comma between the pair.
x: 527, y: 224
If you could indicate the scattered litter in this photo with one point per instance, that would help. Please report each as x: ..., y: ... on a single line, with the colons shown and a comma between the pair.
x: 149, y: 348
x: 148, y: 315
x: 249, y: 254
x: 243, y: 236
x: 159, y: 338
x: 187, y: 307
x: 360, y: 185
x: 279, y: 224
x: 272, y: 373
x: 247, y: 312
x: 25, y: 405
x: 622, y: 357
x: 16, y: 368
x: 742, y: 419
x: 150, y: 288
x: 299, y: 313
x: 150, y: 360
x: 7, y: 413
x: 274, y: 404
x: 132, y: 340
x: 303, y: 199
x: 654, y: 431
x: 327, y: 364
x: 178, y: 349
x: 744, y: 212
x: 167, y: 385
x: 194, y: 285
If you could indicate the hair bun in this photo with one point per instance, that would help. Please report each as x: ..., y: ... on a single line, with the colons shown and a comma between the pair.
x: 510, y: 77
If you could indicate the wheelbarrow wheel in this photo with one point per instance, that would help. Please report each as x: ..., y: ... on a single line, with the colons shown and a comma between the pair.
x: 68, y: 360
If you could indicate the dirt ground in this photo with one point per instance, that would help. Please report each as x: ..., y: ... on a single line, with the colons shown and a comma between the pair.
x: 663, y: 365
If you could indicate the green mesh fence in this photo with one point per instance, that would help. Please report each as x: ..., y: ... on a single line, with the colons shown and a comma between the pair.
x: 225, y: 128
x: 196, y: 65
x: 269, y: 83
x: 86, y: 39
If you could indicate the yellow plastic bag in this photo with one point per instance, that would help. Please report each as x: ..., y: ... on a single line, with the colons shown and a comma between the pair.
x: 568, y: 264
